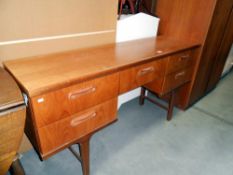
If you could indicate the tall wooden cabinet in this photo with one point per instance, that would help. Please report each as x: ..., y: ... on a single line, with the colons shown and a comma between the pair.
x: 208, y: 22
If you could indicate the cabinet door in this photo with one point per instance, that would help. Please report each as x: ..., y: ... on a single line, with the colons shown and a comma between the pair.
x: 222, y: 54
x: 212, y: 46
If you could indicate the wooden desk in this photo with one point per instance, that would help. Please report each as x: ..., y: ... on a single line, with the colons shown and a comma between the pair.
x: 74, y: 94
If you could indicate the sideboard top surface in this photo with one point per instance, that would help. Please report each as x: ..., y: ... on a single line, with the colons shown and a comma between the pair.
x: 44, y: 73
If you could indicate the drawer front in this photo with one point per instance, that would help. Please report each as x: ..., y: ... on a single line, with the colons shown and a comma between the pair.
x: 142, y: 74
x: 62, y: 103
x: 179, y: 61
x: 176, y: 79
x: 58, y: 134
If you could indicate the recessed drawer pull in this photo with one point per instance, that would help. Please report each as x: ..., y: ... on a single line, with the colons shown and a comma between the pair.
x: 146, y: 71
x: 76, y: 94
x: 179, y: 74
x: 74, y: 122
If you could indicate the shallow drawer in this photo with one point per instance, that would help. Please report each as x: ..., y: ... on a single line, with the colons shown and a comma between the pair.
x: 179, y: 61
x: 62, y: 103
x: 58, y: 134
x: 176, y: 79
x: 142, y: 74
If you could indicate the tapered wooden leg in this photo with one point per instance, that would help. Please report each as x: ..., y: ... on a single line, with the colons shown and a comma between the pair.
x: 171, y: 105
x: 142, y: 96
x: 84, y: 153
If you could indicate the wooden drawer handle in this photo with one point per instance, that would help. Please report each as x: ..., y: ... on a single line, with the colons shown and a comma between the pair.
x: 179, y: 74
x: 76, y: 121
x: 76, y: 94
x: 146, y: 70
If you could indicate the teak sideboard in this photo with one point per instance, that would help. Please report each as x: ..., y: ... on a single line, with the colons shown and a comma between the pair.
x: 73, y: 94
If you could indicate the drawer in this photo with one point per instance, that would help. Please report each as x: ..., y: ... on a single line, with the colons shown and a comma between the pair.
x: 60, y: 133
x: 179, y: 61
x: 176, y: 79
x: 62, y: 103
x: 142, y: 74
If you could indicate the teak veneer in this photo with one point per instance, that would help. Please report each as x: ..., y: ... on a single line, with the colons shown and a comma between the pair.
x: 74, y: 94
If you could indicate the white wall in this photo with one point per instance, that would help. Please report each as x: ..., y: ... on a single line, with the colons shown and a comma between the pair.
x: 229, y: 62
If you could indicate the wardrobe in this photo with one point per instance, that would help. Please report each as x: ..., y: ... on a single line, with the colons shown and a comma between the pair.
x: 209, y: 23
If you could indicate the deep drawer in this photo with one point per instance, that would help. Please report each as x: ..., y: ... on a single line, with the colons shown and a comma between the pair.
x: 65, y: 102
x: 60, y: 133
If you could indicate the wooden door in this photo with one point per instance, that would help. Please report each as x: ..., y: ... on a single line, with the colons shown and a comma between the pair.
x: 212, y: 60
x: 222, y: 55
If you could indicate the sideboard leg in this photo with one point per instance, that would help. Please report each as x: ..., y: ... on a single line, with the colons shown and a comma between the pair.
x: 142, y: 96
x: 171, y: 105
x: 84, y: 153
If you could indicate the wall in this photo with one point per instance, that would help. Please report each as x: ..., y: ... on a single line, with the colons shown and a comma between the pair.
x: 229, y: 62
x: 32, y: 27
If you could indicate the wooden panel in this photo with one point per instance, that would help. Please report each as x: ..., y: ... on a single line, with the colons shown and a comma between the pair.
x: 5, y: 162
x: 222, y: 54
x: 176, y: 79
x: 142, y: 74
x: 185, y: 20
x: 12, y: 119
x: 49, y: 72
x: 212, y: 44
x: 179, y: 61
x: 59, y: 104
x: 56, y: 135
x: 11, y: 131
x: 165, y: 84
x: 10, y: 93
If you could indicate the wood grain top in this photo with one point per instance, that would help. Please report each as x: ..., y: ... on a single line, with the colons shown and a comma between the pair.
x: 10, y: 94
x: 44, y: 73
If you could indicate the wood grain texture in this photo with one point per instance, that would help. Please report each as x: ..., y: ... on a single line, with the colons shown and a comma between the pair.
x: 50, y: 79
x: 185, y: 20
x: 50, y: 72
x: 63, y: 132
x: 211, y: 46
x: 67, y: 101
x: 11, y: 132
x: 10, y: 93
x: 12, y: 119
x: 222, y: 54
x: 174, y: 76
x: 179, y: 61
x: 142, y: 74
x: 174, y: 80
